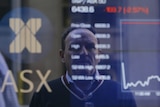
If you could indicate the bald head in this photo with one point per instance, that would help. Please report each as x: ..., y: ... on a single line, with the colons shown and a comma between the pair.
x: 69, y: 30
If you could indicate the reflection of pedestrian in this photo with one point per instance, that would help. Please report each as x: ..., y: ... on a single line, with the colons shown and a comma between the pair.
x: 79, y: 87
x: 8, y: 98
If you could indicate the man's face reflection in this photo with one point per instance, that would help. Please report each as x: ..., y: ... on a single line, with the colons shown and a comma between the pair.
x: 80, y: 51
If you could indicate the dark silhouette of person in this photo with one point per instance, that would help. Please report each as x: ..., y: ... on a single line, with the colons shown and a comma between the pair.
x: 82, y: 85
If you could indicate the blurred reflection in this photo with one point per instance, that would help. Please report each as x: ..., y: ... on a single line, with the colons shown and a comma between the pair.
x: 82, y: 85
x: 8, y: 97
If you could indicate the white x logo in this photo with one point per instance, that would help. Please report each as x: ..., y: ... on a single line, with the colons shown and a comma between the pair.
x: 25, y: 35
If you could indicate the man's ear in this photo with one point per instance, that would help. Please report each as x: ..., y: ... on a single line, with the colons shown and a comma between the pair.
x: 61, y: 53
x: 99, y: 52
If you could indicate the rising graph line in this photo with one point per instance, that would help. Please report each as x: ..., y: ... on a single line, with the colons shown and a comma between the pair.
x: 132, y: 84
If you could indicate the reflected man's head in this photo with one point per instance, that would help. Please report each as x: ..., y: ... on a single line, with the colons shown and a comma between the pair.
x: 79, y: 50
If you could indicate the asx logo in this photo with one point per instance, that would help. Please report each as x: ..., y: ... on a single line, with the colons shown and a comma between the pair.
x: 25, y: 35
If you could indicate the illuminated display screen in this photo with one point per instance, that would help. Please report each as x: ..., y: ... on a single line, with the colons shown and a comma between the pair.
x: 129, y: 38
x: 110, y: 56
